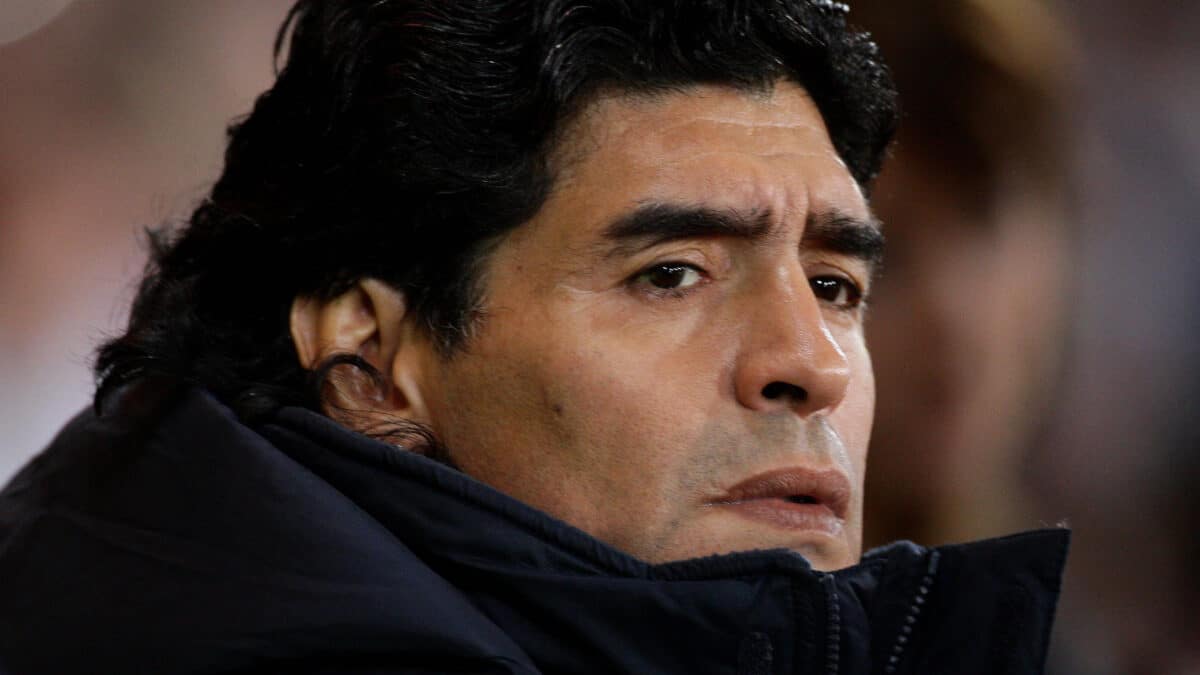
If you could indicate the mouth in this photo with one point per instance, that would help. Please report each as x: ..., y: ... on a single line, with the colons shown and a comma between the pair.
x: 795, y: 499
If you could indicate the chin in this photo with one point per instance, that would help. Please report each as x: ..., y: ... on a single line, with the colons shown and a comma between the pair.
x: 826, y: 543
x: 825, y: 553
x: 826, y: 562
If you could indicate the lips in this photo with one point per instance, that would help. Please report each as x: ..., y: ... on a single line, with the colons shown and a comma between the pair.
x: 797, y: 499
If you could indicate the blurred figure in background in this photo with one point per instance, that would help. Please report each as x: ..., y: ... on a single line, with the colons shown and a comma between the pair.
x: 969, y: 317
x: 1121, y: 460
x: 1034, y: 329
x: 111, y: 119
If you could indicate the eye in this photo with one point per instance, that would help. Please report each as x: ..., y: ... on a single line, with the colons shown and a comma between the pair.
x: 837, y: 291
x: 670, y: 276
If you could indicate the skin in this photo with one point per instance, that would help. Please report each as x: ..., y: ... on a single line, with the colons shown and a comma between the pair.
x: 627, y: 409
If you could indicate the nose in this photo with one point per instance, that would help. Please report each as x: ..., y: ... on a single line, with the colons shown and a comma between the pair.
x: 790, y: 361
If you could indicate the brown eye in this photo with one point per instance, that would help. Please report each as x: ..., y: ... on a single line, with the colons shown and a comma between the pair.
x: 837, y: 291
x: 671, y: 276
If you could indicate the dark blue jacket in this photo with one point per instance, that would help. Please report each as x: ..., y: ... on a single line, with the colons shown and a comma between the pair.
x: 166, y: 537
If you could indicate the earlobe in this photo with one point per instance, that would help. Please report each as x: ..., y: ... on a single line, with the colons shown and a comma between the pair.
x: 369, y: 321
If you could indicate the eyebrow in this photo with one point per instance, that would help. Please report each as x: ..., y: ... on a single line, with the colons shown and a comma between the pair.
x: 847, y: 235
x: 659, y: 223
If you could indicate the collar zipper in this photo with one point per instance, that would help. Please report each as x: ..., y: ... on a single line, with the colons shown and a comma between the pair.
x: 833, y: 639
x: 914, y: 613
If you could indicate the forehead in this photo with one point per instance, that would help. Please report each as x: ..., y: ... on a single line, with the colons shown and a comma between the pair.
x: 711, y: 145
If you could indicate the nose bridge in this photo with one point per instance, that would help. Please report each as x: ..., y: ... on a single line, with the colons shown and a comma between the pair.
x: 791, y: 359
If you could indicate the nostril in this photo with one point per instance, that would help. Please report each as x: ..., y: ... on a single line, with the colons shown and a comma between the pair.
x: 778, y: 390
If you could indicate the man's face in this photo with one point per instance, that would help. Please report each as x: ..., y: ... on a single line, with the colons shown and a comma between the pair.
x: 672, y: 354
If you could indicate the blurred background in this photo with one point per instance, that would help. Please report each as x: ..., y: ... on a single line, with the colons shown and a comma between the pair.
x: 1034, y: 332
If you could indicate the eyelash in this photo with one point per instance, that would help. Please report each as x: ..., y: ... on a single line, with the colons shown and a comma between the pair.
x: 641, y: 280
x: 856, y: 297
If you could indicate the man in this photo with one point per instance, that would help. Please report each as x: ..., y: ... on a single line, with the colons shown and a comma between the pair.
x: 512, y: 339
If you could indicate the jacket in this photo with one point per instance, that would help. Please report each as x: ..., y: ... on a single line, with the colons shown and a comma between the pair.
x: 165, y: 536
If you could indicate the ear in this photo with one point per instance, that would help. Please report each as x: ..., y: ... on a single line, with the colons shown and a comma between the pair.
x: 369, y: 321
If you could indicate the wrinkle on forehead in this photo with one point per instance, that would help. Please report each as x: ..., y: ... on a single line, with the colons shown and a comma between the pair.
x: 708, y: 145
x: 764, y: 134
x: 696, y: 129
x: 695, y: 113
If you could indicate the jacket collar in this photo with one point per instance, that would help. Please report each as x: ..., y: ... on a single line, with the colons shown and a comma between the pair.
x: 216, y: 547
x: 891, y: 610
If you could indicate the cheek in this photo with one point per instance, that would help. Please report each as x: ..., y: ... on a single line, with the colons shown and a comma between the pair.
x: 597, y: 410
x: 635, y: 371
x: 855, y: 416
x: 625, y: 406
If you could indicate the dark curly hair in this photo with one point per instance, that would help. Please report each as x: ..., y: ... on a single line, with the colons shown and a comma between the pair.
x: 403, y: 138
